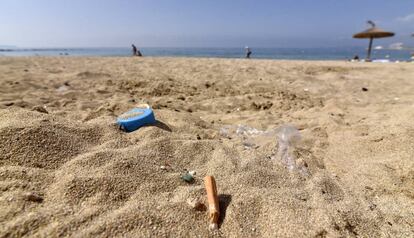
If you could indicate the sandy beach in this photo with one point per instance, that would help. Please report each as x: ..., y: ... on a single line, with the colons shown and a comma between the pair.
x: 67, y: 170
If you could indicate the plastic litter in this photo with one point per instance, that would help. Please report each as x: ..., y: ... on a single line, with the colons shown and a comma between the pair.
x: 62, y: 88
x: 187, y: 177
x: 252, y: 138
x: 288, y: 137
x: 140, y: 116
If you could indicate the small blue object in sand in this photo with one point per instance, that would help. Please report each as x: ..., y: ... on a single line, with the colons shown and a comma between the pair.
x: 135, y: 118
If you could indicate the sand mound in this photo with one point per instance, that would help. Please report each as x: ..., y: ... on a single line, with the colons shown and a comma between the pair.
x: 36, y: 140
x: 125, y: 186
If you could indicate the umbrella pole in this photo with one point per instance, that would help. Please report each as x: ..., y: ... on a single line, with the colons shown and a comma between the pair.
x: 371, y: 39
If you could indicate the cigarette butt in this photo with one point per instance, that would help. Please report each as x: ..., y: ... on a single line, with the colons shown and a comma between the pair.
x: 213, y: 201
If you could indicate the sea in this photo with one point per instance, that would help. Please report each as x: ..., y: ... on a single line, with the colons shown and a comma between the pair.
x: 337, y: 53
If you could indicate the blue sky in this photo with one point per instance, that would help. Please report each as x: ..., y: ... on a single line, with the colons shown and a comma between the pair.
x: 197, y: 23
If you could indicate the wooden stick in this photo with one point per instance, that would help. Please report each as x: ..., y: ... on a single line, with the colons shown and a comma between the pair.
x: 213, y: 201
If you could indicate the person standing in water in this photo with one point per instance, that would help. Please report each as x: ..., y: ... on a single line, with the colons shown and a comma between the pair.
x: 248, y: 52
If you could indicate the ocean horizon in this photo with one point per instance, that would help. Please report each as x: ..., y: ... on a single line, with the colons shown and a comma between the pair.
x: 331, y: 53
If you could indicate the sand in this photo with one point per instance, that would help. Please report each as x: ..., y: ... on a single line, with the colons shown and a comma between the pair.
x: 67, y: 170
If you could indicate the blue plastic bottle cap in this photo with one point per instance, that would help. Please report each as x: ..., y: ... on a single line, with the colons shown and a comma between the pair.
x: 135, y: 118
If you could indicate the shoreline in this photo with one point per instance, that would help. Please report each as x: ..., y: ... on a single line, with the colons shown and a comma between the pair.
x: 202, y: 58
x: 258, y: 53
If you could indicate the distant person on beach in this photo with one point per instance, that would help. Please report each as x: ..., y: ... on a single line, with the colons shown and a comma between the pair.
x: 248, y: 52
x: 356, y: 58
x: 135, y: 51
x: 138, y: 53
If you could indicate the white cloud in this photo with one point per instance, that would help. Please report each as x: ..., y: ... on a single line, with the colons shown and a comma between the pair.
x: 408, y: 18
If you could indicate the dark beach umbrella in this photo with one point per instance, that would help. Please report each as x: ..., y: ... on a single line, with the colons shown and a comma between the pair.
x: 371, y: 33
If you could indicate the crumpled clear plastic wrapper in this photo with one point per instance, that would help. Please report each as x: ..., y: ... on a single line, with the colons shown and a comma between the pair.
x: 288, y: 138
x: 251, y: 137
